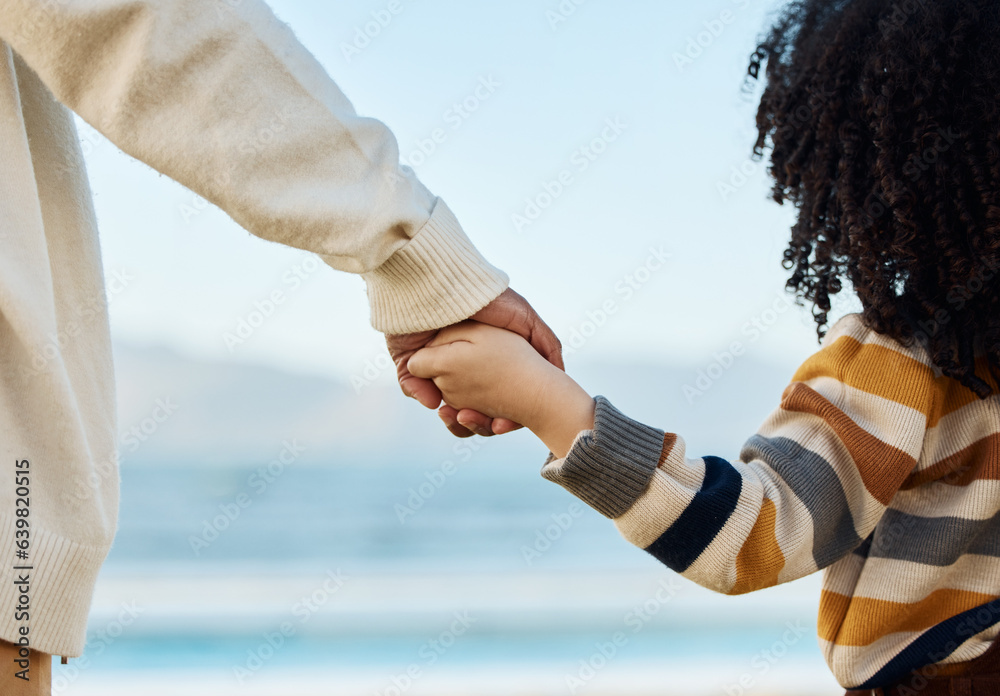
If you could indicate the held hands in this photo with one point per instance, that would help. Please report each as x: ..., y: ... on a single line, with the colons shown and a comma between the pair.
x: 497, y: 373
x: 508, y: 311
x: 490, y: 370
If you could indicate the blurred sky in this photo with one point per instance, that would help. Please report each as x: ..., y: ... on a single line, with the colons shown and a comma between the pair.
x: 669, y: 73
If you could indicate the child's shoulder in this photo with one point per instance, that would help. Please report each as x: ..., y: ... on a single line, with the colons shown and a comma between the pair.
x: 856, y: 363
x: 856, y: 360
x: 853, y: 336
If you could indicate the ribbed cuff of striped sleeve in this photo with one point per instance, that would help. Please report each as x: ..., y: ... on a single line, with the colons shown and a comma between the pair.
x: 610, y: 466
x: 439, y: 278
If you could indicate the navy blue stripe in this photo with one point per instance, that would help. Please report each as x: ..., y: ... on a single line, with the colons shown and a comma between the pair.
x: 866, y: 546
x: 701, y: 521
x: 936, y: 644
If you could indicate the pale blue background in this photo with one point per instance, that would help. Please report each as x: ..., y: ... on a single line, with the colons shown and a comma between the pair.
x: 658, y: 184
x: 192, y: 277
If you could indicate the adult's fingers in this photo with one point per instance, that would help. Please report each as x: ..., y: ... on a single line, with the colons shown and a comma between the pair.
x: 454, y: 427
x: 544, y: 340
x: 475, y: 421
x: 502, y: 426
x: 423, y: 390
x: 512, y: 312
x: 402, y: 347
x: 472, y: 423
x: 497, y: 426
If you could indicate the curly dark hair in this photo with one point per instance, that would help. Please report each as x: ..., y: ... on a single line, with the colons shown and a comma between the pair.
x: 883, y: 122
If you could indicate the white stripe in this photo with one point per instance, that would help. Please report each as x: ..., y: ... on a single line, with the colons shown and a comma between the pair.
x: 856, y: 664
x: 657, y: 508
x: 974, y: 647
x: 885, y: 419
x: 916, y: 353
x: 959, y: 430
x: 980, y: 500
x: 842, y: 576
x: 671, y: 489
x: 907, y: 582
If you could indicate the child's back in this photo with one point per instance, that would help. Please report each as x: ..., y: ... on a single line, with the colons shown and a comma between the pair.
x: 874, y: 466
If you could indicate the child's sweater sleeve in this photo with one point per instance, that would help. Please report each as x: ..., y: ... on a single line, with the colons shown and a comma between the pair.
x: 808, y: 488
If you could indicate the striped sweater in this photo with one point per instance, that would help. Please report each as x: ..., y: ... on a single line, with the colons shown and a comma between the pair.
x: 874, y: 467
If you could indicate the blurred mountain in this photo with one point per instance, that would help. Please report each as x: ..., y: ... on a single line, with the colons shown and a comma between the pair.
x: 233, y: 413
x: 175, y: 409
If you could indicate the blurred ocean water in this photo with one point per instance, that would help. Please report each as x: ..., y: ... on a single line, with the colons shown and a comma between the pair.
x: 402, y: 578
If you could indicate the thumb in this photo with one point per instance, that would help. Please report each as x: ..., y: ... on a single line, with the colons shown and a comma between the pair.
x: 426, y: 363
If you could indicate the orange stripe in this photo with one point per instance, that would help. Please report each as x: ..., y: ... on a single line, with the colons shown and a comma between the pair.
x: 833, y: 608
x: 669, y: 441
x: 892, y: 375
x: 979, y: 461
x: 760, y: 560
x: 882, y: 467
x: 875, y: 369
x: 861, y: 621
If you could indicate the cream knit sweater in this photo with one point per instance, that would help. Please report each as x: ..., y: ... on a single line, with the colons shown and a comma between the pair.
x: 184, y: 86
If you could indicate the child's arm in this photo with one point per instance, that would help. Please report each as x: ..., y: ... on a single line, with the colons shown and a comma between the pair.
x: 809, y: 487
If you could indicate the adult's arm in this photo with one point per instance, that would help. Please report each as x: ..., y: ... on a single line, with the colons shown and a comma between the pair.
x: 220, y: 96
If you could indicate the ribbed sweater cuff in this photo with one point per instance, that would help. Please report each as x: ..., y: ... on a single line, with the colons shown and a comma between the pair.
x: 61, y: 586
x: 610, y: 466
x: 439, y: 278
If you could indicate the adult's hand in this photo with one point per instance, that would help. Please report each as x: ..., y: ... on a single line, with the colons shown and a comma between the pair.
x: 508, y: 311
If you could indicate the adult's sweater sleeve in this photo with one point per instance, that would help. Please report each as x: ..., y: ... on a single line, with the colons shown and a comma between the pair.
x: 807, y: 489
x: 220, y: 96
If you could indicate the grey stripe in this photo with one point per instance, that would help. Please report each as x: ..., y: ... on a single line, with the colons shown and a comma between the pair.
x: 610, y: 467
x: 817, y: 485
x: 937, y: 541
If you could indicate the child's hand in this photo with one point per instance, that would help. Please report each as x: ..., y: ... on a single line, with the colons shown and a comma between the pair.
x: 493, y: 371
x: 498, y: 373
